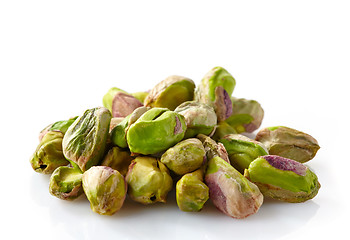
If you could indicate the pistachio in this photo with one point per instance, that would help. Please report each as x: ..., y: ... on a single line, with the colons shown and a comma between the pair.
x: 199, y: 118
x: 230, y: 191
x: 283, y: 179
x: 66, y: 183
x: 114, y: 122
x: 105, y: 188
x: 289, y: 143
x: 191, y: 192
x: 170, y: 93
x: 141, y: 96
x: 155, y: 131
x: 247, y: 115
x: 118, y: 159
x: 242, y: 150
x: 186, y: 156
x: 213, y: 148
x: 124, y: 104
x: 49, y: 155
x: 223, y: 129
x: 85, y: 140
x: 109, y: 96
x: 148, y: 180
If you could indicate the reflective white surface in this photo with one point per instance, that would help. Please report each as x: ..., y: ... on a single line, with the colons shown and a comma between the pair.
x: 59, y: 58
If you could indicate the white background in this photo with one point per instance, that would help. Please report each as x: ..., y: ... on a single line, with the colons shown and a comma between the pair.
x: 58, y: 58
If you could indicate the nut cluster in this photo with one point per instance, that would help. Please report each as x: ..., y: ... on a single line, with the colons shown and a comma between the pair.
x: 177, y: 135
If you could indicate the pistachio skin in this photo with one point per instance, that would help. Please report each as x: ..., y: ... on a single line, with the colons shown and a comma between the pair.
x: 149, y: 180
x: 109, y: 96
x: 105, y: 188
x: 114, y: 122
x: 170, y: 92
x: 289, y: 143
x: 200, y: 118
x: 213, y: 148
x: 230, y: 191
x: 155, y: 131
x: 124, y: 104
x: 242, y: 150
x: 66, y: 183
x: 117, y: 158
x: 247, y: 115
x: 186, y: 156
x: 49, y: 155
x: 191, y: 192
x: 85, y: 140
x: 283, y: 179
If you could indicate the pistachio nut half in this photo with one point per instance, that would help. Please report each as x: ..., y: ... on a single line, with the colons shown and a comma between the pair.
x: 170, y: 92
x: 149, y: 180
x: 230, y: 191
x: 289, y: 143
x: 85, y: 140
x: 105, y: 188
x: 283, y: 179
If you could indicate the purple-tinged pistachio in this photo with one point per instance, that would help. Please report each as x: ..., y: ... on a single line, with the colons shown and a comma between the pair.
x: 61, y: 126
x: 191, y: 192
x: 85, y: 140
x: 222, y: 104
x: 230, y: 191
x: 118, y: 159
x: 155, y: 131
x: 216, y: 77
x: 148, y: 180
x: 213, y: 148
x: 289, y: 143
x: 247, y: 115
x: 242, y: 150
x: 49, y: 155
x: 171, y: 92
x: 141, y: 96
x: 124, y: 104
x: 109, y: 96
x: 186, y: 156
x: 199, y: 118
x: 283, y: 179
x: 105, y: 188
x: 66, y: 183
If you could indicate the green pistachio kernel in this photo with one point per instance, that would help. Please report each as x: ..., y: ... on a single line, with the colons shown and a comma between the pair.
x: 283, y: 179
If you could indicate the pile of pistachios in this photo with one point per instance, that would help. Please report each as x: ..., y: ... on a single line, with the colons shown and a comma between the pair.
x: 177, y: 135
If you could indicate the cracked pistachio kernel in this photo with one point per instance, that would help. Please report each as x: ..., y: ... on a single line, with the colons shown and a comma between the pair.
x: 148, y: 180
x: 49, y: 155
x: 289, y: 143
x: 283, y: 179
x: 118, y: 159
x: 242, y: 150
x: 186, y: 156
x: 118, y: 133
x: 247, y: 115
x: 155, y: 131
x: 66, y: 183
x: 61, y: 126
x: 85, y: 140
x: 191, y: 192
x: 199, y: 118
x: 105, y: 188
x: 230, y: 191
x: 171, y: 92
